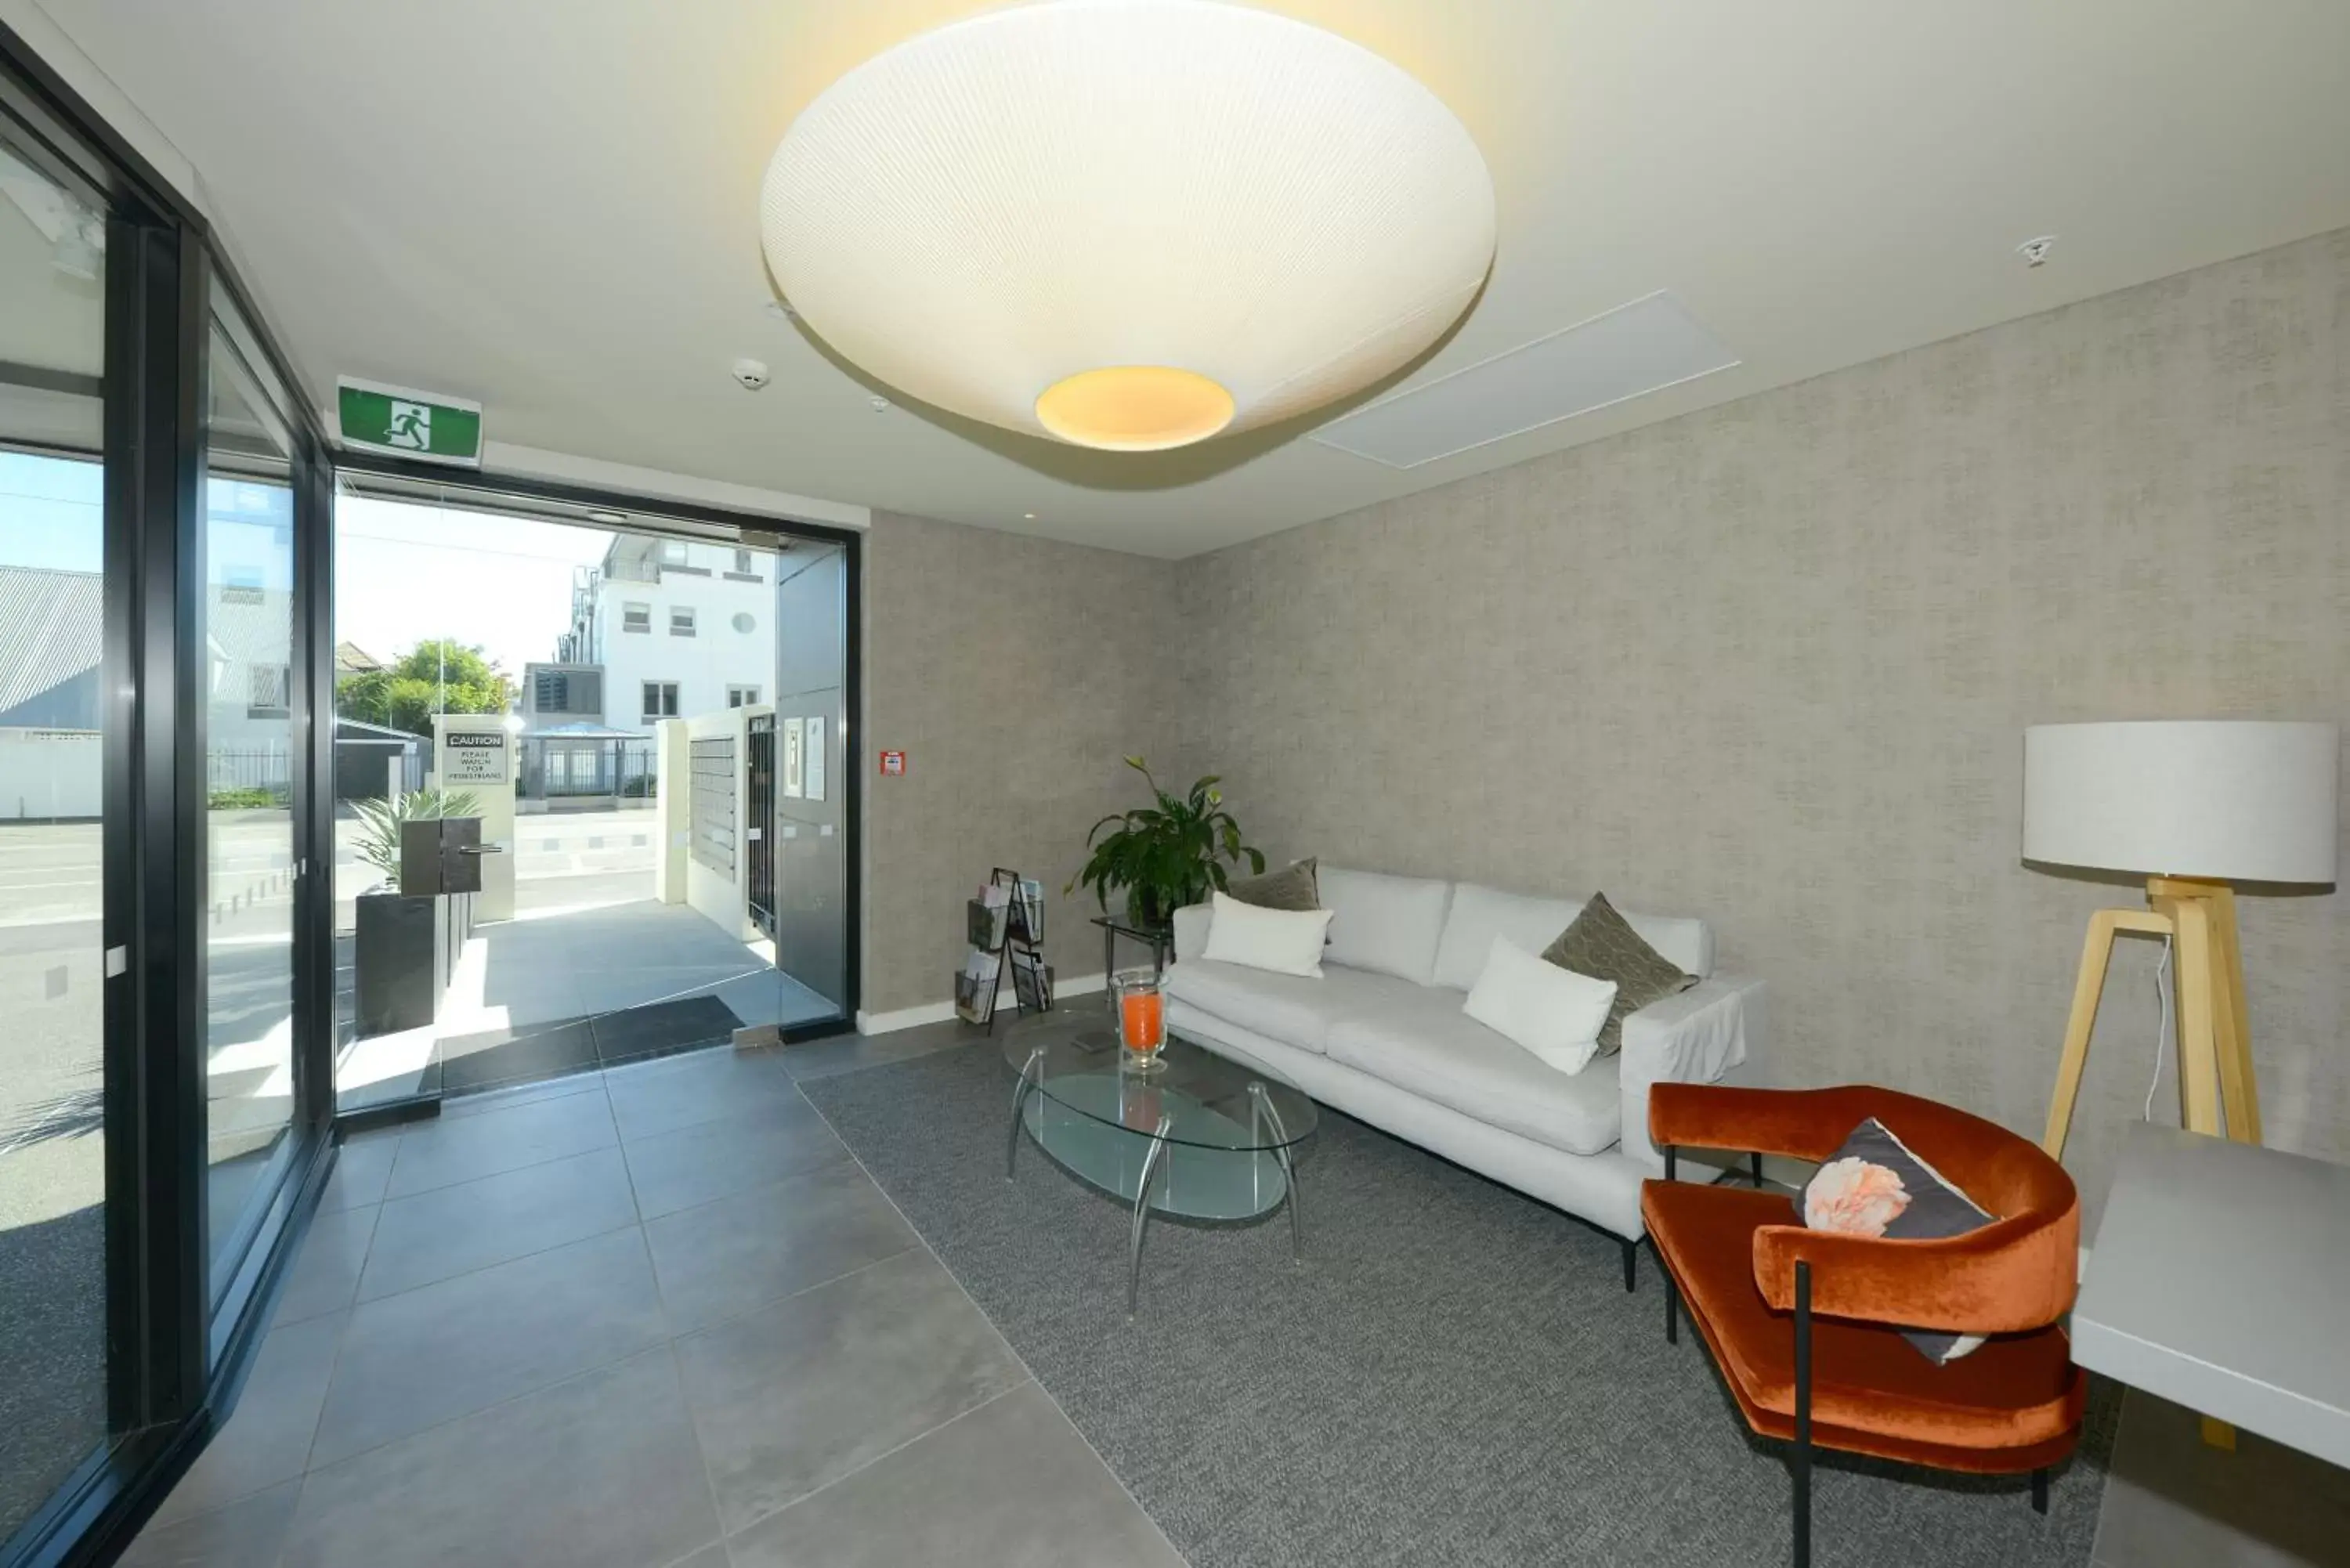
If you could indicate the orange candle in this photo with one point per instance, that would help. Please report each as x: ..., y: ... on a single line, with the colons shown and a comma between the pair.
x: 1140, y: 1019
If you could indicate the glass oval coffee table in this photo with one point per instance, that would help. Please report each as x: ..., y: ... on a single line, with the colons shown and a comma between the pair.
x: 1197, y: 1137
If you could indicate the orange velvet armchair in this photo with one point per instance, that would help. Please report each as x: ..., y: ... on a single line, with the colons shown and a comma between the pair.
x: 1805, y: 1324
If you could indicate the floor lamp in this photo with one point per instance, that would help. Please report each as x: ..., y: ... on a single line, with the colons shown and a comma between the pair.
x: 2195, y: 807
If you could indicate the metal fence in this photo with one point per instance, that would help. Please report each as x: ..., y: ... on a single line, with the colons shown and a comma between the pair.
x: 249, y: 769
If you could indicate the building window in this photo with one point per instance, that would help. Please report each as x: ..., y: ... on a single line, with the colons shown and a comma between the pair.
x: 567, y: 691
x: 636, y: 617
x: 744, y: 621
x: 741, y: 696
x: 680, y: 620
x: 672, y: 552
x: 271, y: 682
x: 660, y: 699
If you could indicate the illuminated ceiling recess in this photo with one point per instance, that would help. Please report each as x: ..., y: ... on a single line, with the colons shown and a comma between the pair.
x: 1129, y: 225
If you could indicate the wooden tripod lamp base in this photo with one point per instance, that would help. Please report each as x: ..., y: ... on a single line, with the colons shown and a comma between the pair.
x: 2217, y: 1091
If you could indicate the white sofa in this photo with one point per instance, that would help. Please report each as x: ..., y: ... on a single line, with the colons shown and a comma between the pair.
x: 1381, y: 1036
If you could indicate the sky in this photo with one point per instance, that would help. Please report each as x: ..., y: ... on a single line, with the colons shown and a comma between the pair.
x: 405, y: 572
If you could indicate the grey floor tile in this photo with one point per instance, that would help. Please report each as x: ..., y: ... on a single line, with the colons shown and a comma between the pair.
x: 451, y: 1149
x: 675, y: 1092
x: 600, y: 1471
x: 1010, y: 1482
x: 711, y: 1556
x: 694, y: 1164
x: 802, y: 1393
x: 326, y: 1274
x: 249, y: 1533
x: 432, y: 1355
x: 267, y: 1439
x: 722, y: 1257
x: 363, y: 1168
x: 2174, y: 1501
x: 440, y: 1234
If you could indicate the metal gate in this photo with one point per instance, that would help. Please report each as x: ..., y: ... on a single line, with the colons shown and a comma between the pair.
x: 759, y: 817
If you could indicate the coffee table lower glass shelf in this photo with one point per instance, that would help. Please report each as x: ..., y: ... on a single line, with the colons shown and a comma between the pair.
x: 1197, y: 1137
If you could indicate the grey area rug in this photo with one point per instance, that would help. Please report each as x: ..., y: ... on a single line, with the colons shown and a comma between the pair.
x: 1454, y: 1375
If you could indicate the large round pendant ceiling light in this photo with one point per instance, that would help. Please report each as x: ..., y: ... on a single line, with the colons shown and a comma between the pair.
x: 1128, y: 223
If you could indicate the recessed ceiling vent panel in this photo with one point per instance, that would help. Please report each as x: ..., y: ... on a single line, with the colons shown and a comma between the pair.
x: 1632, y: 350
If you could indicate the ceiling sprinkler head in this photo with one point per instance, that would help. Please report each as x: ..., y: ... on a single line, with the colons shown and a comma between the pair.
x: 2035, y: 250
x: 880, y: 405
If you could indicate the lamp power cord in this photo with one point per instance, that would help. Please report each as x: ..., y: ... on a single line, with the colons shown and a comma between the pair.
x: 2162, y: 1029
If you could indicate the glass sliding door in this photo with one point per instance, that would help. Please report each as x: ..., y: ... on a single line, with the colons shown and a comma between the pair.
x: 53, y: 843
x: 248, y: 644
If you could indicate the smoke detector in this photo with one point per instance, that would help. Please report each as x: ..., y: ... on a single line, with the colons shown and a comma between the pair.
x: 2035, y: 250
x: 751, y: 373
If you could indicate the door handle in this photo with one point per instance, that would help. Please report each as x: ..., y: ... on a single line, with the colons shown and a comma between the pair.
x: 481, y: 849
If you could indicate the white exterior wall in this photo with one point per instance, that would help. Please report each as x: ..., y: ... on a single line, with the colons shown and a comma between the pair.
x: 703, y: 665
x: 51, y: 773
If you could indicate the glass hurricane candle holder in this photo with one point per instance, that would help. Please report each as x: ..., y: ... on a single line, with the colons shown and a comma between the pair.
x: 1141, y: 1018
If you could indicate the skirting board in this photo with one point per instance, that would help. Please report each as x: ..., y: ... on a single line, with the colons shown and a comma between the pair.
x: 941, y: 1011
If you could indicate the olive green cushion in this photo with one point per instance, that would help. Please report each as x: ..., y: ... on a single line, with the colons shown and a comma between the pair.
x: 1602, y: 944
x: 1292, y: 887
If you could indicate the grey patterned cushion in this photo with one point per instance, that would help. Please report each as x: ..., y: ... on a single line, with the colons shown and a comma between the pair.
x: 1874, y: 1186
x: 1603, y: 945
x: 1292, y: 887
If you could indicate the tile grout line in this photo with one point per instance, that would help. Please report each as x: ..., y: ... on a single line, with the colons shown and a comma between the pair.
x: 1027, y: 1382
x: 508, y: 1170
x: 1116, y: 1480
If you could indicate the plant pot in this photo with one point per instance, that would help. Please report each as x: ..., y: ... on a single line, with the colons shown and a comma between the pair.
x: 1144, y: 908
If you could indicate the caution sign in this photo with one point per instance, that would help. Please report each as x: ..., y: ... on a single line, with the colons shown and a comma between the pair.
x: 475, y: 757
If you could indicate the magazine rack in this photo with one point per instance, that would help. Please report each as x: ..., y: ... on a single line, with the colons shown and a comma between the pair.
x: 1006, y: 931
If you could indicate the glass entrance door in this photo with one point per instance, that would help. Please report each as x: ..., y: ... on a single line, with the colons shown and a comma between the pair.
x: 595, y: 693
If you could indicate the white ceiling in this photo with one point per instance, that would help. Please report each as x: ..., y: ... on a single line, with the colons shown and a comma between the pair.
x: 552, y: 206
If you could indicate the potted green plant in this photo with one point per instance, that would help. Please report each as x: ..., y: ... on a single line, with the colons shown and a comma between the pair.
x: 378, y: 842
x: 1165, y: 854
x: 401, y: 945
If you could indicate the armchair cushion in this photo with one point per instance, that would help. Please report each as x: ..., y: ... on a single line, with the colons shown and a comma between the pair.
x: 1876, y: 1187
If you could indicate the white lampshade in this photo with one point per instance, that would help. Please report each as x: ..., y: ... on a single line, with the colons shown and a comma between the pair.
x: 2236, y: 801
x: 1128, y: 223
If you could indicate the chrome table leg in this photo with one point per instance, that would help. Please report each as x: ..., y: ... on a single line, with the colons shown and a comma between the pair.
x: 1030, y: 1074
x: 1264, y: 1111
x: 1142, y: 1212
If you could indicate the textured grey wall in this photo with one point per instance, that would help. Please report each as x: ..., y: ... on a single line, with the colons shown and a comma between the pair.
x: 1014, y: 674
x: 1770, y: 663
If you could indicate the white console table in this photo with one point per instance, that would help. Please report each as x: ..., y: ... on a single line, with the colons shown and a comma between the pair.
x: 2220, y: 1279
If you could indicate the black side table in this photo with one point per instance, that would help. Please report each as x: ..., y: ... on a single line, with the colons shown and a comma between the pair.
x: 1160, y: 939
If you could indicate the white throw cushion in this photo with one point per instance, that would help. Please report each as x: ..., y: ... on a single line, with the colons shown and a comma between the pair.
x: 1480, y: 914
x: 1286, y: 941
x: 1554, y: 1013
x: 1389, y: 925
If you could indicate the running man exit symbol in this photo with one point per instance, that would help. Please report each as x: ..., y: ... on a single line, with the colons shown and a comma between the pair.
x: 411, y: 426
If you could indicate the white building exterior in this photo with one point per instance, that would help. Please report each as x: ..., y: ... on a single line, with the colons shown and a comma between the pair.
x: 668, y: 630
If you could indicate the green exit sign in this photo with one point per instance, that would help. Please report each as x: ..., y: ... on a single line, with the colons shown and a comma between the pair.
x: 410, y: 423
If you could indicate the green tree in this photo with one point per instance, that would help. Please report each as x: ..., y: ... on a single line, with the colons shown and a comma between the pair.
x: 436, y: 676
